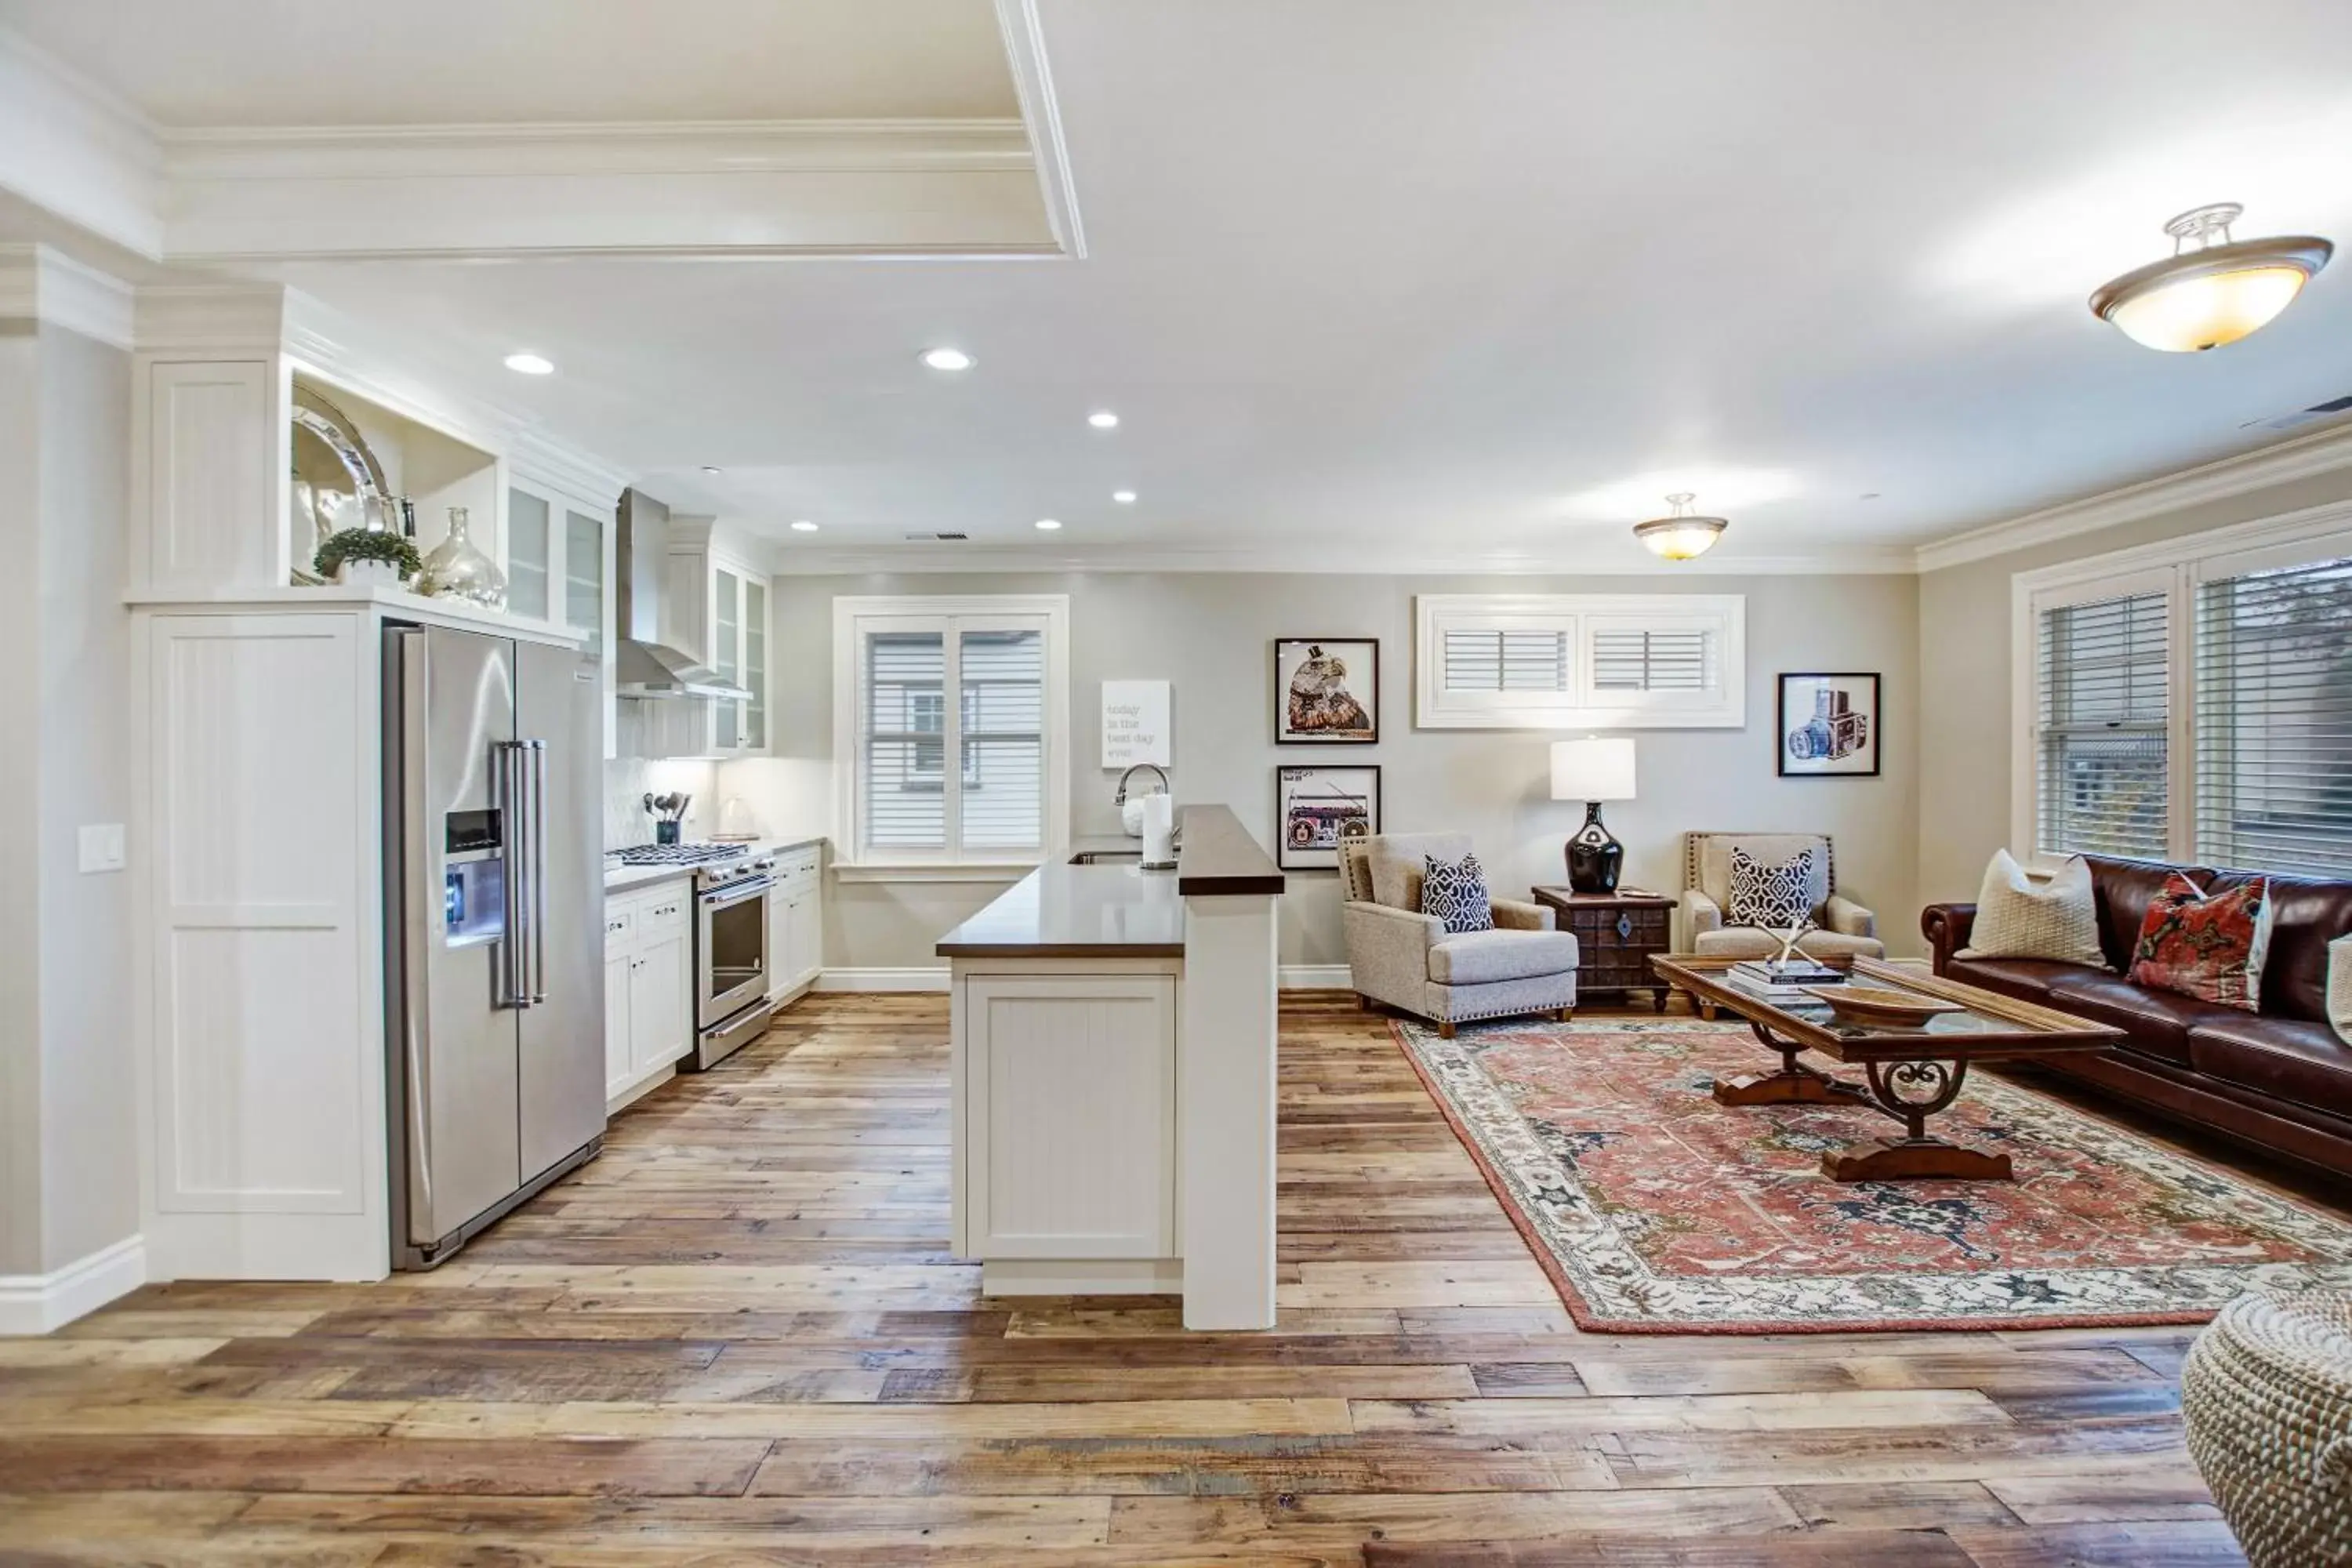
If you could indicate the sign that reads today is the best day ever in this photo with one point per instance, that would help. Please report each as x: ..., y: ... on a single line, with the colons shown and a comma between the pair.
x: 1134, y: 723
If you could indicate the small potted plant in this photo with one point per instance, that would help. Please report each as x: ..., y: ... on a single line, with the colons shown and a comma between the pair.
x: 358, y: 556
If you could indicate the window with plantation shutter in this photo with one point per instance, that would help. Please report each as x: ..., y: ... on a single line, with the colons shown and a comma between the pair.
x: 1632, y: 659
x: 1480, y: 659
x: 2273, y: 718
x: 983, y: 681
x: 2102, y: 727
x: 2192, y: 700
x: 1566, y: 661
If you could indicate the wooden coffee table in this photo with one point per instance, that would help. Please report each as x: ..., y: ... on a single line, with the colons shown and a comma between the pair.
x: 1909, y: 1074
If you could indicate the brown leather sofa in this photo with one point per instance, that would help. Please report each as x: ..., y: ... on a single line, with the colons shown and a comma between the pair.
x: 2279, y: 1079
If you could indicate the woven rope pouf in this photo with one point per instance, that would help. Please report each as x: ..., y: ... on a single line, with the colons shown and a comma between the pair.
x: 2266, y: 1394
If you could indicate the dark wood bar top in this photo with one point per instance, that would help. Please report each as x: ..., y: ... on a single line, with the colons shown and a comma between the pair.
x: 1219, y: 857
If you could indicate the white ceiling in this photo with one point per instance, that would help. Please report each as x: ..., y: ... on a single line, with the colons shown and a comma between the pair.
x: 190, y: 63
x: 1379, y: 276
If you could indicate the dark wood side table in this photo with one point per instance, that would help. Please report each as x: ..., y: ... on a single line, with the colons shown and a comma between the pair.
x: 1616, y: 935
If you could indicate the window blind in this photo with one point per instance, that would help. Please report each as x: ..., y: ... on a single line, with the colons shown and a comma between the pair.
x: 2274, y: 719
x: 1483, y: 660
x: 906, y: 736
x: 1004, y: 739
x: 2102, y: 683
x: 1625, y: 659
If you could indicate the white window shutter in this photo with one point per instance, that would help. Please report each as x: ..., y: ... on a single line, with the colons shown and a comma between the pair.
x: 2274, y: 719
x: 2103, y: 765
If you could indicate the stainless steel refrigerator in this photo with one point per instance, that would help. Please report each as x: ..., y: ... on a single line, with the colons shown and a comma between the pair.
x: 493, y: 925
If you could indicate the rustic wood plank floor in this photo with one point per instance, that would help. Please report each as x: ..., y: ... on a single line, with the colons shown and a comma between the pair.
x: 739, y: 1337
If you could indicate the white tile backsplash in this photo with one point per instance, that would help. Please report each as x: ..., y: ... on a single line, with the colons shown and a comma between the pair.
x: 628, y: 780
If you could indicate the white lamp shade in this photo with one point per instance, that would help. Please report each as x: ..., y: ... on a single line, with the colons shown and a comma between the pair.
x: 1596, y: 768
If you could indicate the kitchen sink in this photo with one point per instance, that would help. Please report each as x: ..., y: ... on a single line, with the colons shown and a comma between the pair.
x: 1106, y: 857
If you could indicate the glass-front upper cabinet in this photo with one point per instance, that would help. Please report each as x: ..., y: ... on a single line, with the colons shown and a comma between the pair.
x: 528, y: 559
x: 583, y: 576
x: 726, y: 643
x: 755, y: 665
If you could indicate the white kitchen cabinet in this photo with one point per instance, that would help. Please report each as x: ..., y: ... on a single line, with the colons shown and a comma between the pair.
x: 795, y: 923
x: 716, y: 609
x: 648, y: 987
x: 559, y: 566
x: 1068, y: 1084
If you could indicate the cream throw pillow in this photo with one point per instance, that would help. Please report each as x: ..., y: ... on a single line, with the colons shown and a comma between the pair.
x: 2058, y: 920
x: 2340, y: 987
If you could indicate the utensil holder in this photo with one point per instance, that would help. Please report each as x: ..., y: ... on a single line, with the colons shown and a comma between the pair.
x: 666, y: 832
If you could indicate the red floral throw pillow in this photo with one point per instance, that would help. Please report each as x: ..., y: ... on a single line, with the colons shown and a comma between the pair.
x: 2208, y: 948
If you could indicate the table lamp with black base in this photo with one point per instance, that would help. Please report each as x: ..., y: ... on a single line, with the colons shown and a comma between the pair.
x: 1593, y: 769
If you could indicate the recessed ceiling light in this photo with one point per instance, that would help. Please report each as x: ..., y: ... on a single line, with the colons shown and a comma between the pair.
x: 1048, y: 524
x: 947, y: 359
x: 1124, y: 497
x: 1103, y: 419
x: 531, y: 364
x: 707, y: 468
x: 803, y: 526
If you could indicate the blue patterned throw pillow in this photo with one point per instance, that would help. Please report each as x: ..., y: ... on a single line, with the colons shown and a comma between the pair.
x: 1455, y: 892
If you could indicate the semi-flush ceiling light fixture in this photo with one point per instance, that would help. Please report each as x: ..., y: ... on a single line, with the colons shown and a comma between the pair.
x: 1683, y: 536
x: 2211, y: 290
x: 531, y: 364
x: 947, y: 359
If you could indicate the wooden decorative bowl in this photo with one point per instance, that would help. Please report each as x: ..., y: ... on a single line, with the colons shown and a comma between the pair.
x: 1871, y: 1005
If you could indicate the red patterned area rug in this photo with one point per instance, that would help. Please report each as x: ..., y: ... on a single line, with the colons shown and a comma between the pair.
x: 1655, y: 1210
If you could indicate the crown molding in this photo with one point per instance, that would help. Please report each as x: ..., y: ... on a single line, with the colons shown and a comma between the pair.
x: 1033, y: 84
x: 793, y: 559
x: 38, y: 282
x: 2283, y: 463
x: 71, y: 147
x: 878, y: 187
x: 596, y: 148
x: 209, y: 319
x: 536, y: 457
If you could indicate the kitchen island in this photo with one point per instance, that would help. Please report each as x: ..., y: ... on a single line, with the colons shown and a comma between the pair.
x: 1114, y: 1079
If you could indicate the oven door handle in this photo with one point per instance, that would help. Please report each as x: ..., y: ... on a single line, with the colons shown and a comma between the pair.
x: 738, y: 893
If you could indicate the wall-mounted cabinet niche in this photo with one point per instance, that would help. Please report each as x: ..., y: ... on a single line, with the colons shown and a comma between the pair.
x: 433, y: 469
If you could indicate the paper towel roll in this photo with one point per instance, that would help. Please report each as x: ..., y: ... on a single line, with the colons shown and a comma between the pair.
x: 1158, y: 830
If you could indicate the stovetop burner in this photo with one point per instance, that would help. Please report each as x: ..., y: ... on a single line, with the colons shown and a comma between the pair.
x: 678, y: 854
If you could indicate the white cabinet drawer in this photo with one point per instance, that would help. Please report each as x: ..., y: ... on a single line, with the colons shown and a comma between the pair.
x: 620, y: 927
x: 664, y: 909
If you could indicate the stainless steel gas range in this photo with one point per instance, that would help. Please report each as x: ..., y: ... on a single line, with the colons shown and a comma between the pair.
x: 731, y: 941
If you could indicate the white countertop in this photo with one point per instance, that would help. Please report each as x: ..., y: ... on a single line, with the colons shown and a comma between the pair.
x: 629, y: 878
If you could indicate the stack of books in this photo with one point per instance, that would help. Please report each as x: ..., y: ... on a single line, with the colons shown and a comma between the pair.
x: 1772, y: 982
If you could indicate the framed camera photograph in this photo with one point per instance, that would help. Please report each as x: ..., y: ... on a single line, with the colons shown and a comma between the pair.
x: 1828, y: 726
x: 1327, y: 691
x: 1317, y: 809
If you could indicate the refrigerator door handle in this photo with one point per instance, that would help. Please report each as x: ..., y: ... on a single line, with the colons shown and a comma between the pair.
x: 536, y: 753
x: 514, y: 959
x: 415, y: 935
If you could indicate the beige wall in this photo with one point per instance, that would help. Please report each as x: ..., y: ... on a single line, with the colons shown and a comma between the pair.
x: 1965, y: 641
x: 69, y: 1179
x: 1210, y: 636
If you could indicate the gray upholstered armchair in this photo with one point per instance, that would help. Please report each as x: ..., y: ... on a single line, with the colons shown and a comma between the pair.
x: 1847, y: 929
x: 1399, y: 956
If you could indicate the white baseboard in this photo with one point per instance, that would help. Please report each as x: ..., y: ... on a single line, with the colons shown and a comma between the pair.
x: 883, y: 980
x: 35, y: 1303
x: 1316, y: 977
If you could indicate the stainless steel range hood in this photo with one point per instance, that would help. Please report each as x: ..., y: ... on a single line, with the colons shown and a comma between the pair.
x: 647, y: 664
